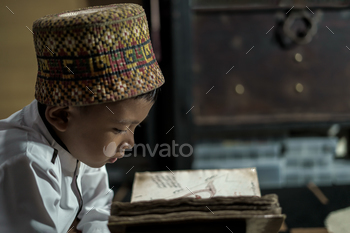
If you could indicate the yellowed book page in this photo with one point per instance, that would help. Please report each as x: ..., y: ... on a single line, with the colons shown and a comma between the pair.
x: 195, y: 183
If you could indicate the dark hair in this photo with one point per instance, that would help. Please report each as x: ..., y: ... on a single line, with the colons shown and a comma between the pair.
x: 150, y: 96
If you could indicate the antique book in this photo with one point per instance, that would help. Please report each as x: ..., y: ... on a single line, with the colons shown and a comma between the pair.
x: 197, y: 201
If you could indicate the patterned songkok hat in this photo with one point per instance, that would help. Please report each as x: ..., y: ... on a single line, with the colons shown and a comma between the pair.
x: 94, y: 55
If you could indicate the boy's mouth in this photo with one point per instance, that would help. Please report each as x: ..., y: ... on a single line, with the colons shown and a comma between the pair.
x: 112, y: 160
x: 118, y: 155
x: 115, y: 158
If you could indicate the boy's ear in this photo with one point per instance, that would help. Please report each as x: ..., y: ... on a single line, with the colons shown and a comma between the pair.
x: 57, y: 116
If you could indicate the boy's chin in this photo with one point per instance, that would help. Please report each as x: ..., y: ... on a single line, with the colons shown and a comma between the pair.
x: 96, y: 164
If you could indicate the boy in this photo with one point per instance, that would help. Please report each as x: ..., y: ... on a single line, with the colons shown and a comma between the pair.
x: 97, y: 80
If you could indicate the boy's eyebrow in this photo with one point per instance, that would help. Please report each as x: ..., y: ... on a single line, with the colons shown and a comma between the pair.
x: 128, y: 122
x: 124, y: 121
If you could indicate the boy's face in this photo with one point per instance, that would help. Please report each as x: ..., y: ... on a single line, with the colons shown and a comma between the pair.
x: 99, y: 134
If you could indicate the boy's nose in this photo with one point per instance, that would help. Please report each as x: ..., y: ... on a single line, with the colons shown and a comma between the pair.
x: 131, y: 145
x: 128, y: 145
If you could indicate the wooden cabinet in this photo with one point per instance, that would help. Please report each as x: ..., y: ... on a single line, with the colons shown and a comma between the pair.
x: 242, y: 74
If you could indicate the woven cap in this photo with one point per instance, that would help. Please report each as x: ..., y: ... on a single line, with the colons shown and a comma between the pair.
x: 94, y: 55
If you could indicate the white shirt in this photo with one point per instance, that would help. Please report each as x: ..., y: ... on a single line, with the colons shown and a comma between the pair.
x: 38, y: 192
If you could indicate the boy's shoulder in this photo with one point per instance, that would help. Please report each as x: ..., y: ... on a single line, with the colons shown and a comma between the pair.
x: 18, y: 143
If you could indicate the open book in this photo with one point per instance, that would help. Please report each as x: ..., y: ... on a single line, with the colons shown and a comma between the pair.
x: 220, y: 200
x: 195, y: 183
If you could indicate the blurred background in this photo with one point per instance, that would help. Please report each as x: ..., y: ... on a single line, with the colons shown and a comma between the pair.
x: 248, y: 84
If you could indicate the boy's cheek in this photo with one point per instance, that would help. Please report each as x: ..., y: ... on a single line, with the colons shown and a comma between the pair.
x: 110, y: 150
x: 96, y: 148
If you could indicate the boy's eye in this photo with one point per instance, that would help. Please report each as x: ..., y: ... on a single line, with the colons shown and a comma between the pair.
x: 119, y: 131
x: 122, y: 131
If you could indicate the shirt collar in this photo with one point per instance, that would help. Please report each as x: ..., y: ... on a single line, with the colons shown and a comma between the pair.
x: 33, y: 119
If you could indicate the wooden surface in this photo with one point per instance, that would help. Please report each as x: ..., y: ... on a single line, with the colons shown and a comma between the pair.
x: 309, y: 230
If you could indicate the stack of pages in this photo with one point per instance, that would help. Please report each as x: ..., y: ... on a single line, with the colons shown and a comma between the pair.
x: 222, y: 200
